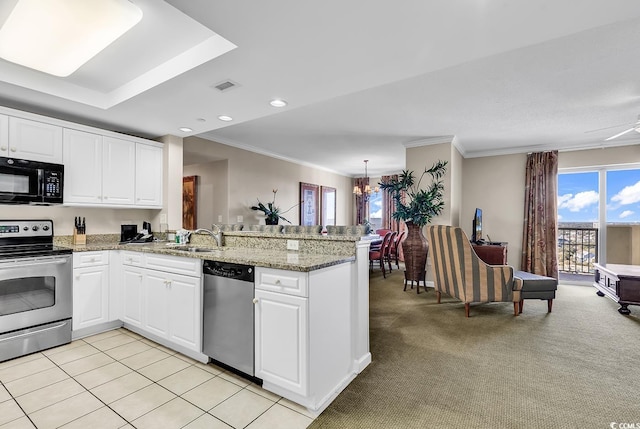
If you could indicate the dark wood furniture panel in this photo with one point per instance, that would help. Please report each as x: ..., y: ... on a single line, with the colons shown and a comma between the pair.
x: 619, y: 282
x: 492, y: 254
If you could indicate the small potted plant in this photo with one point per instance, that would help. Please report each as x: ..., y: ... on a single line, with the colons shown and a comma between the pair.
x: 416, y: 207
x: 271, y: 212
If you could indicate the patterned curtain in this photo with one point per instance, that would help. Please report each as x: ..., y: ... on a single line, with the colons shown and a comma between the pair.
x: 362, y: 208
x: 539, y: 241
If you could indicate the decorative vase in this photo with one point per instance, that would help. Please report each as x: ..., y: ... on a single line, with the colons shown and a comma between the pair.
x: 271, y: 221
x: 415, y: 249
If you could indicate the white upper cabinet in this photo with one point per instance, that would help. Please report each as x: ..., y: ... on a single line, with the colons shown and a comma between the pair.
x: 101, y: 170
x: 83, y: 167
x: 4, y: 135
x: 118, y: 171
x: 148, y: 176
x: 36, y: 141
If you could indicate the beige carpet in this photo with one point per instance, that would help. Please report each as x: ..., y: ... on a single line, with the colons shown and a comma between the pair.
x: 578, y: 367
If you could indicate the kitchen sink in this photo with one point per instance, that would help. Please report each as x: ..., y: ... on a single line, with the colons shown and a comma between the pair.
x: 196, y: 249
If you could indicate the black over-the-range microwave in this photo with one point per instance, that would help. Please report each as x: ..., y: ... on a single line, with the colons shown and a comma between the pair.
x: 30, y: 182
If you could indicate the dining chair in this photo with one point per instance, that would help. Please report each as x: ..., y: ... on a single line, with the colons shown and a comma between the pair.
x: 388, y: 257
x: 379, y: 254
x: 395, y: 251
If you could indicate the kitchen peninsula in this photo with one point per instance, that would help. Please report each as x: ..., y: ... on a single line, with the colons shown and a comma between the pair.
x: 311, y: 306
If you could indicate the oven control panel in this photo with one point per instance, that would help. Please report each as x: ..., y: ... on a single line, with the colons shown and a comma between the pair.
x: 26, y: 228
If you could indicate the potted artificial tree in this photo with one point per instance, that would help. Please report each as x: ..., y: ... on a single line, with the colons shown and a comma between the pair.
x: 416, y: 207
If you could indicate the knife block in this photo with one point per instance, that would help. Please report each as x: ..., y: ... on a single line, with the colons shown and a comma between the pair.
x: 79, y: 238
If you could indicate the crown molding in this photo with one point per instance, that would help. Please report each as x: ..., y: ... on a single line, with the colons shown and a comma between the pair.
x: 429, y: 141
x: 542, y: 148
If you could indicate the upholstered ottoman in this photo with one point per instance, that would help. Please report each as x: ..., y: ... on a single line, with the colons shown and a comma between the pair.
x: 537, y: 287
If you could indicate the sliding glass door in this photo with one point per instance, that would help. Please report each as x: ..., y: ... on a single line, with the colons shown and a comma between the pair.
x: 598, y: 218
x: 578, y: 222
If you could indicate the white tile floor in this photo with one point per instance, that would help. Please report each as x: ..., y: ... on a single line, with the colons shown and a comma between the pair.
x: 118, y: 379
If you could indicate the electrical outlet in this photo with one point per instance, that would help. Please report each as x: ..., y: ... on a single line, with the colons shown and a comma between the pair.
x: 292, y: 244
x: 163, y: 218
x: 219, y: 218
x: 240, y: 219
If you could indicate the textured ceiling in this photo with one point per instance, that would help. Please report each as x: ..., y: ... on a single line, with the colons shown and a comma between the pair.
x: 364, y: 78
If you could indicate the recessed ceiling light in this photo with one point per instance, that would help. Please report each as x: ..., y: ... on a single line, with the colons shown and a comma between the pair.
x: 185, y: 129
x: 225, y: 118
x: 58, y: 36
x: 278, y: 103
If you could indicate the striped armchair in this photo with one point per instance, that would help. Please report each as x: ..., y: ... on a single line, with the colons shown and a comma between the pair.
x: 459, y: 272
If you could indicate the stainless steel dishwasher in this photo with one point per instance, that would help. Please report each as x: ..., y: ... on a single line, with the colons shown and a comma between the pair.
x: 228, y: 314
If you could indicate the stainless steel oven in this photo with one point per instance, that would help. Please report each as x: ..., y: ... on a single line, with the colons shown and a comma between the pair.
x: 35, y: 289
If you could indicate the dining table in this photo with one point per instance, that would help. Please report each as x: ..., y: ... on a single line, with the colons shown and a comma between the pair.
x: 375, y: 240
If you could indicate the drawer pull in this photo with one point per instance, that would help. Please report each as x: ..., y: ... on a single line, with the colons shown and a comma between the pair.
x: 255, y: 300
x: 278, y: 282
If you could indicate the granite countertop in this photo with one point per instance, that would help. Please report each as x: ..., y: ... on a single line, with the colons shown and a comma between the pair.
x: 320, y: 237
x: 293, y: 261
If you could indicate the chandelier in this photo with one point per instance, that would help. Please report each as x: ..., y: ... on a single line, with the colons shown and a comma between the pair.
x: 365, y: 190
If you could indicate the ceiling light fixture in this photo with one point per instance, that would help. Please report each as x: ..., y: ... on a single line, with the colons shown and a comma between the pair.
x: 59, y: 36
x: 185, y: 129
x: 225, y: 118
x: 363, y: 190
x: 278, y: 103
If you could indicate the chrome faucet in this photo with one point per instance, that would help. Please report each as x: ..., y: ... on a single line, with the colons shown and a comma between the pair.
x: 216, y: 236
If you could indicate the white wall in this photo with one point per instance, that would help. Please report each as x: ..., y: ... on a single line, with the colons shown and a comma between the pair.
x: 421, y: 157
x: 172, y: 183
x: 212, y: 189
x: 599, y: 157
x: 253, y: 176
x: 99, y: 220
x: 496, y: 185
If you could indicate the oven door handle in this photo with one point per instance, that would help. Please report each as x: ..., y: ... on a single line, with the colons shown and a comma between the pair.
x: 26, y: 334
x: 33, y: 262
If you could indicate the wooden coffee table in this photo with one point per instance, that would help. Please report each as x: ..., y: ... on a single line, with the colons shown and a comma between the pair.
x: 619, y: 282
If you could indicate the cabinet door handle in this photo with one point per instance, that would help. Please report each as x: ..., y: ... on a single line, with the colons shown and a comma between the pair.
x: 255, y: 300
x: 3, y: 148
x: 13, y: 149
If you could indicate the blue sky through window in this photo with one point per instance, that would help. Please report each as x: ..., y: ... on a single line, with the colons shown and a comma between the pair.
x: 578, y: 196
x: 375, y: 209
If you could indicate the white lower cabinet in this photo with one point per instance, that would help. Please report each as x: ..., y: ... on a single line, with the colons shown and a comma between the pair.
x: 171, y: 303
x: 90, y: 294
x: 281, y: 340
x: 131, y: 292
x: 303, y: 333
x: 165, y: 304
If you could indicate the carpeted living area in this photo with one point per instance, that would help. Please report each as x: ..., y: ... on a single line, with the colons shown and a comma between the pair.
x: 434, y: 368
